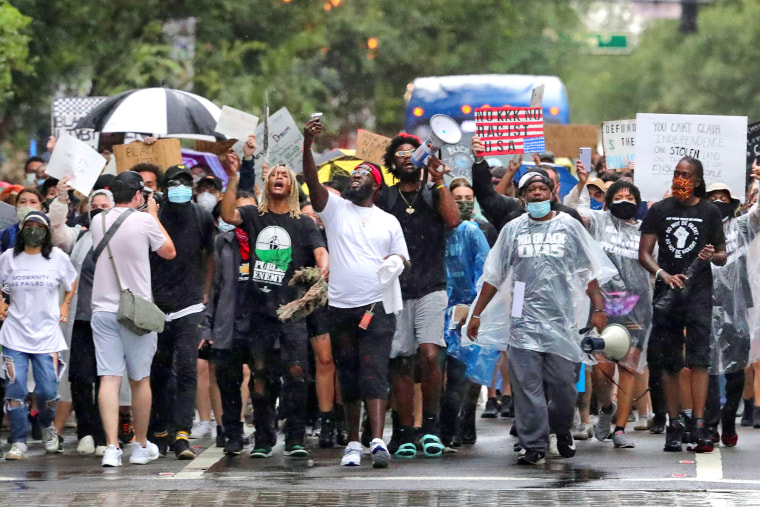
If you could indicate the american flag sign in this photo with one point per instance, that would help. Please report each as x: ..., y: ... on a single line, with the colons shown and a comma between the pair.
x: 510, y: 130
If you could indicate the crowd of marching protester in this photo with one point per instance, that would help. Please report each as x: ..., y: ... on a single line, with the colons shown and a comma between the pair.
x: 165, y: 307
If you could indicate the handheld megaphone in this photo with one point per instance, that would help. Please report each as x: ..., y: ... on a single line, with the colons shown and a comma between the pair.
x: 444, y: 130
x: 614, y: 342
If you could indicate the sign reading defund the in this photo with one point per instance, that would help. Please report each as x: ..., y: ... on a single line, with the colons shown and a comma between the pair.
x: 662, y: 140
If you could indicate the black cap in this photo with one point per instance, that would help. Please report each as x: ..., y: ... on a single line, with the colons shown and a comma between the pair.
x: 103, y: 181
x: 131, y: 179
x: 213, y: 180
x: 177, y: 170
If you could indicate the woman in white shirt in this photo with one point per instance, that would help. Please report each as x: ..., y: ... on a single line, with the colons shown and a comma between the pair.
x: 35, y: 272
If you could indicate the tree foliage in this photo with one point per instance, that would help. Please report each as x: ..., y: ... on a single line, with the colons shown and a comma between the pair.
x: 14, y: 48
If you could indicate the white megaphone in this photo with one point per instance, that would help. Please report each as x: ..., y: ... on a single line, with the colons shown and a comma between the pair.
x: 444, y: 130
x: 614, y: 342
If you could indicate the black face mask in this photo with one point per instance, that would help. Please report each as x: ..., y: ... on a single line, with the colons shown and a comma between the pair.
x: 624, y: 210
x: 727, y: 209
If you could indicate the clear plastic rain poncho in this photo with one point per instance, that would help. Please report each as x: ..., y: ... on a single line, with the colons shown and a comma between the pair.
x: 542, y: 270
x: 732, y: 297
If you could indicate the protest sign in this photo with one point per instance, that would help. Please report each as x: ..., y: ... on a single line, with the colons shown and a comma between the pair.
x: 164, y: 153
x: 619, y: 141
x: 459, y: 158
x: 370, y: 146
x: 719, y: 142
x: 567, y: 140
x: 75, y: 159
x: 510, y: 130
x: 285, y: 142
x: 753, y: 144
x: 66, y: 113
x: 236, y: 124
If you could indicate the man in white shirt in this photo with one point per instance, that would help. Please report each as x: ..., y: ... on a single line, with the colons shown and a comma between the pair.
x: 360, y: 237
x: 116, y: 347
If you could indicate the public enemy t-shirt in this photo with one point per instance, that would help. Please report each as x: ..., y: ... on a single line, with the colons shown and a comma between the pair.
x: 33, y: 323
x: 425, y: 237
x: 279, y: 245
x: 682, y: 231
x: 179, y: 282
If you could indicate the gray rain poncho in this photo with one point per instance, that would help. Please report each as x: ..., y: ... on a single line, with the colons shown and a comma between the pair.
x: 732, y: 297
x: 551, y: 262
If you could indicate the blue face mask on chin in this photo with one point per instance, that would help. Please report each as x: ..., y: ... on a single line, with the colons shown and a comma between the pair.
x: 224, y: 226
x: 180, y: 194
x: 539, y: 209
x: 595, y: 204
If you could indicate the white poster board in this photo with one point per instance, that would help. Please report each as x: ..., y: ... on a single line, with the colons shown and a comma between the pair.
x: 619, y: 140
x: 75, y: 159
x: 236, y: 124
x: 66, y: 113
x: 285, y: 142
x: 719, y: 142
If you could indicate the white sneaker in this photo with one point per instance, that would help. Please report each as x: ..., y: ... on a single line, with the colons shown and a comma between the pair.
x: 352, y: 456
x: 553, y: 449
x: 18, y: 451
x: 86, y: 445
x: 143, y: 455
x: 100, y: 450
x: 202, y: 429
x: 111, y: 457
x: 379, y: 452
x: 53, y: 443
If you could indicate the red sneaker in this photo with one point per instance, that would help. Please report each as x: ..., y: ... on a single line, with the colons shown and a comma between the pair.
x: 730, y: 439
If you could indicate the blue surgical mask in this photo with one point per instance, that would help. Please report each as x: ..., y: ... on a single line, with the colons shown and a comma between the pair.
x: 180, y: 194
x: 539, y: 209
x: 224, y: 226
x: 595, y: 204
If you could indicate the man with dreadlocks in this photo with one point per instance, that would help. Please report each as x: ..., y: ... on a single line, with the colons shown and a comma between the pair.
x: 279, y: 242
x: 689, y: 233
x: 426, y: 212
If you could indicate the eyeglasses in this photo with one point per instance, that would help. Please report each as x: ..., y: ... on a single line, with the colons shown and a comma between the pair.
x: 407, y: 153
x: 360, y: 172
x: 177, y: 183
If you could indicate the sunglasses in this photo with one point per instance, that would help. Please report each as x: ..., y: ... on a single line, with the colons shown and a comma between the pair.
x: 360, y: 172
x: 407, y: 153
x: 177, y: 183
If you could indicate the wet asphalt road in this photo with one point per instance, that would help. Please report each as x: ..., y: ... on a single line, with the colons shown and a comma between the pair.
x: 483, y: 474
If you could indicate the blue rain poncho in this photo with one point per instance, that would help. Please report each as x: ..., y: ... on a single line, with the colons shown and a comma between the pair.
x: 551, y: 262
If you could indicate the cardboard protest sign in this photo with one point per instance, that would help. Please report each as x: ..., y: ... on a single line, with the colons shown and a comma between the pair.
x: 65, y: 114
x: 510, y: 130
x: 285, y: 142
x: 753, y: 144
x: 370, y: 146
x: 164, y: 153
x: 719, y: 142
x: 619, y: 141
x: 567, y: 140
x: 75, y: 159
x: 459, y: 158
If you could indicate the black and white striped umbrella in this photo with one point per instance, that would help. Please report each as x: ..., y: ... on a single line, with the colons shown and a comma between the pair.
x: 161, y: 112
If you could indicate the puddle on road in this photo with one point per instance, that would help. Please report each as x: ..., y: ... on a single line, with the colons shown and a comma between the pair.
x: 564, y: 475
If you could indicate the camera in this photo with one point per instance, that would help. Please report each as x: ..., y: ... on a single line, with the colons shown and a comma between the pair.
x: 158, y: 196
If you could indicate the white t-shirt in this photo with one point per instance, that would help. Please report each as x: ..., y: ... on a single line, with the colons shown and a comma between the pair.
x: 34, y: 315
x: 358, y: 239
x: 137, y: 236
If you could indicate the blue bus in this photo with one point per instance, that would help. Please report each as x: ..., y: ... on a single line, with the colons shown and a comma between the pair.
x: 458, y: 96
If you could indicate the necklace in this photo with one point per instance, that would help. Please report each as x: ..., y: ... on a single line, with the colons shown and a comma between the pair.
x: 364, y: 219
x: 409, y: 205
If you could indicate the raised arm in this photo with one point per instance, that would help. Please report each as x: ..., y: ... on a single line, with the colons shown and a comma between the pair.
x: 317, y: 191
x: 495, y: 206
x: 247, y: 171
x: 230, y: 213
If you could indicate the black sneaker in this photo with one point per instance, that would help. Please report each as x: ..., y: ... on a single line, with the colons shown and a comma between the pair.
x: 507, y: 406
x: 234, y: 447
x: 674, y: 436
x: 295, y: 449
x: 327, y: 433
x: 565, y: 445
x: 748, y: 415
x: 492, y: 409
x: 126, y: 431
x: 689, y: 432
x: 162, y: 442
x: 756, y: 417
x: 467, y: 432
x: 531, y: 457
x: 182, y: 450
x: 658, y: 424
x: 260, y: 450
x: 341, y: 433
x: 703, y: 437
x: 220, y: 437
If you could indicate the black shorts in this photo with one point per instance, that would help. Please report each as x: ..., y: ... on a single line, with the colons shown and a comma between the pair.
x: 669, y: 349
x: 361, y: 356
x: 269, y: 333
x: 317, y: 323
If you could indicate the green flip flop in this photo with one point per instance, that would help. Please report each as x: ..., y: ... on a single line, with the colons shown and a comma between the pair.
x: 406, y: 451
x: 431, y: 446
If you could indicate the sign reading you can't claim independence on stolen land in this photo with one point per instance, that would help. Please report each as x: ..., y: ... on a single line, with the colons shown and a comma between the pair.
x: 719, y: 142
x: 510, y: 130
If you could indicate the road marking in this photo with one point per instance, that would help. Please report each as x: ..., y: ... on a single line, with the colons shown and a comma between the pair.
x: 197, y: 467
x: 709, y: 466
x: 444, y: 478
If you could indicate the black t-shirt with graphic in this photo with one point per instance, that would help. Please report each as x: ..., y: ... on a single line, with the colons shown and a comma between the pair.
x: 279, y: 245
x: 425, y: 237
x: 682, y: 231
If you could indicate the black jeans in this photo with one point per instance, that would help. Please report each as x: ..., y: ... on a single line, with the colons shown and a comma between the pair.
x: 85, y: 383
x: 453, y: 396
x: 734, y: 388
x: 174, y: 375
x: 229, y: 376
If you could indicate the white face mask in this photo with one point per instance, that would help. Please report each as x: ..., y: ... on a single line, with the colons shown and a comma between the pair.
x: 207, y: 201
x: 31, y: 178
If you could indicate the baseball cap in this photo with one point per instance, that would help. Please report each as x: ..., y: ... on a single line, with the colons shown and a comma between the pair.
x: 37, y: 216
x: 177, y: 170
x: 212, y: 180
x: 130, y: 179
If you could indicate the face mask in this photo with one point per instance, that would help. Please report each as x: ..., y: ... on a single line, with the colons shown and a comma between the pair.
x: 207, y: 201
x: 539, y: 209
x: 682, y: 188
x: 31, y: 178
x: 465, y: 209
x: 624, y: 210
x: 726, y: 209
x: 33, y: 236
x: 224, y: 226
x: 180, y: 194
x: 595, y: 204
x: 22, y: 211
x: 40, y: 182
